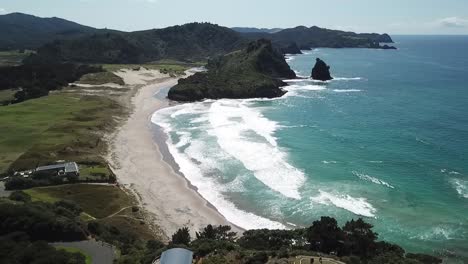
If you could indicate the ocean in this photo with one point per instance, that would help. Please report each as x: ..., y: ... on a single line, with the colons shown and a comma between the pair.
x: 386, y: 140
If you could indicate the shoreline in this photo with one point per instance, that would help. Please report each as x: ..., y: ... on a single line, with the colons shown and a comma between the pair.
x: 140, y: 159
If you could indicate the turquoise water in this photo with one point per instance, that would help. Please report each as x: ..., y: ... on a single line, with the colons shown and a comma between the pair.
x: 387, y: 140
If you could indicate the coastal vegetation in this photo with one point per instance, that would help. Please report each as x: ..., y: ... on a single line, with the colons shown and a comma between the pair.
x: 30, y: 221
x: 355, y: 242
x: 252, y: 72
x: 35, y: 79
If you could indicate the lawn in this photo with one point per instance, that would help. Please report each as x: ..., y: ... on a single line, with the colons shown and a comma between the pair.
x: 60, y: 126
x: 88, y: 259
x: 97, y: 201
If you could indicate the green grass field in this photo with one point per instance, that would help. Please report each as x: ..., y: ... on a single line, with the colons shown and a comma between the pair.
x: 12, y: 57
x: 56, y: 127
x: 98, y: 201
x: 88, y: 259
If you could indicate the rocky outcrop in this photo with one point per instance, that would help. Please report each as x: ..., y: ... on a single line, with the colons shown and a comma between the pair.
x: 254, y: 72
x: 291, y: 48
x: 321, y: 71
x: 387, y: 47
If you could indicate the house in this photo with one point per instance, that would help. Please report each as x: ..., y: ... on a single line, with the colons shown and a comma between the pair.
x: 175, y: 256
x: 63, y: 169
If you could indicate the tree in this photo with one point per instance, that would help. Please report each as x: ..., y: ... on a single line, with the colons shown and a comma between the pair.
x: 325, y: 235
x: 20, y: 196
x: 181, y: 237
x: 360, y: 239
x: 218, y: 233
x: 258, y: 258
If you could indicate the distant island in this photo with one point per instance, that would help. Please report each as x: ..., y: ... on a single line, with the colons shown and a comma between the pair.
x: 255, y: 71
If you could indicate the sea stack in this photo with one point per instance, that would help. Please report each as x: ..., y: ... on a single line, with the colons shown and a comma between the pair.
x: 321, y: 71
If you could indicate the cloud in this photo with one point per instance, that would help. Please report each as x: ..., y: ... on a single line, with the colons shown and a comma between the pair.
x: 2, y: 11
x: 452, y: 22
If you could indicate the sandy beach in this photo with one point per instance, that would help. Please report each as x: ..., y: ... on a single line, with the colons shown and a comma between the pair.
x: 140, y: 166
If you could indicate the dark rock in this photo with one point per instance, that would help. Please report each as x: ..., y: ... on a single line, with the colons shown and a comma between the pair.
x: 321, y: 71
x: 385, y: 38
x: 387, y: 47
x: 292, y: 48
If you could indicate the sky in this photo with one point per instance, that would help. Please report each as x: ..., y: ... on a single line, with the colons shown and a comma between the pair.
x: 390, y: 16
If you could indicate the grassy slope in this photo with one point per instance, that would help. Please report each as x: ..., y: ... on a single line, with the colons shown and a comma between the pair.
x: 88, y: 259
x: 12, y: 57
x: 99, y: 201
x: 55, y: 127
x: 101, y: 78
x: 108, y: 204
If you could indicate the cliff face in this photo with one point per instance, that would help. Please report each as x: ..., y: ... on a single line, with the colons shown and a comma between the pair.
x: 321, y: 71
x: 253, y: 72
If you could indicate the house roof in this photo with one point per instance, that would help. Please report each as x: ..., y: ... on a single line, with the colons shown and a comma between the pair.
x: 66, y: 167
x: 176, y: 256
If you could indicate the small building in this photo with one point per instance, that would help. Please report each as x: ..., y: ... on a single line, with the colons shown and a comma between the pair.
x: 176, y: 256
x: 62, y: 169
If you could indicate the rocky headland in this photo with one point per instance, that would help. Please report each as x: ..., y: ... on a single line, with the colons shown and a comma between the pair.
x: 254, y: 72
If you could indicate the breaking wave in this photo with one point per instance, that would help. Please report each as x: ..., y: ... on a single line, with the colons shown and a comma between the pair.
x: 369, y: 178
x: 461, y: 186
x: 358, y: 206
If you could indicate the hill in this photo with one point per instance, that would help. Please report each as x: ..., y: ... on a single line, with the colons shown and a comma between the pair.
x: 314, y: 37
x: 22, y: 31
x: 58, y: 40
x: 249, y: 73
x: 189, y: 42
x: 256, y: 30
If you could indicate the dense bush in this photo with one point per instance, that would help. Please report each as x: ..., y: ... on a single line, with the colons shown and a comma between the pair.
x: 355, y: 242
x: 181, y: 237
x: 17, y: 249
x: 36, y: 78
x: 20, y: 196
x: 41, y: 221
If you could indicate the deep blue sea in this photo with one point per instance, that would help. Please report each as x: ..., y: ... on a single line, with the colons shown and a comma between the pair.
x: 386, y: 140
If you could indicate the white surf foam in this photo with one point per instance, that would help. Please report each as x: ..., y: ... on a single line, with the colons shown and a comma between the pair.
x: 347, y: 79
x: 233, y: 123
x: 310, y: 87
x: 329, y: 161
x: 184, y: 139
x: 358, y: 206
x: 461, y: 186
x: 289, y: 57
x: 207, y: 187
x: 436, y: 233
x: 369, y: 178
x: 296, y: 80
x: 346, y: 90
